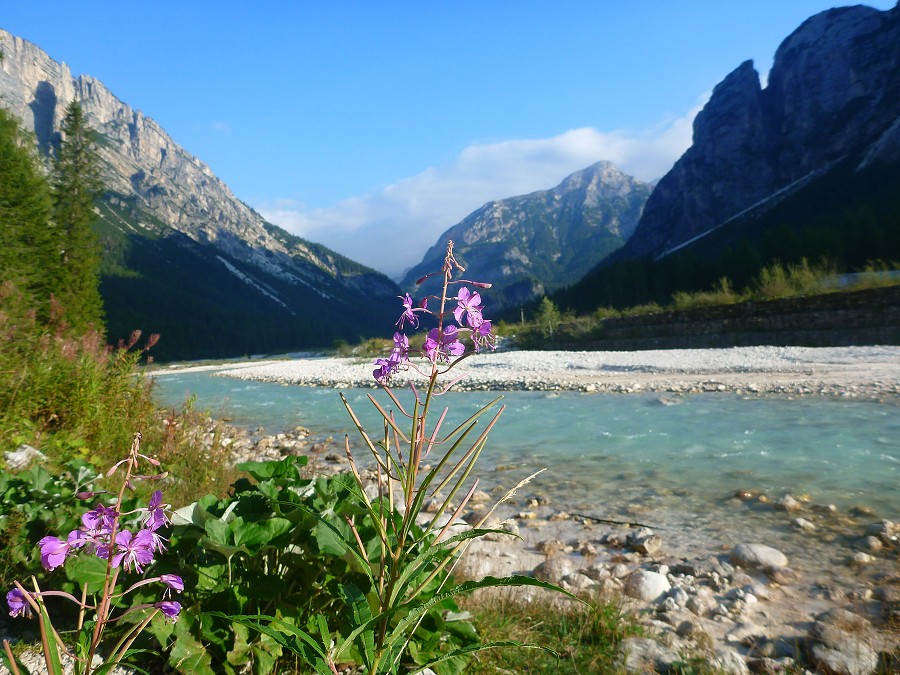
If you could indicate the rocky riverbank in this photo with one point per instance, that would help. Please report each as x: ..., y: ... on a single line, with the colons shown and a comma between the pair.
x: 746, y: 607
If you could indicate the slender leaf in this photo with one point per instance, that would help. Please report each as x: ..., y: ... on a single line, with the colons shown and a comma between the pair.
x: 359, y: 606
x: 471, y: 649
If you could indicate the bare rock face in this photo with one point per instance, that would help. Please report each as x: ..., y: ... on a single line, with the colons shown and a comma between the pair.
x: 535, y: 243
x: 833, y: 91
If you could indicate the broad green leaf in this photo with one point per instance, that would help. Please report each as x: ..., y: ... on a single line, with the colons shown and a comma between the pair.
x: 263, y: 660
x: 264, y: 624
x: 188, y: 655
x: 257, y: 534
x: 87, y: 570
x: 274, y: 469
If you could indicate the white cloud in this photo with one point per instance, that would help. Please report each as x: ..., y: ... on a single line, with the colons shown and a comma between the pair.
x: 391, y: 231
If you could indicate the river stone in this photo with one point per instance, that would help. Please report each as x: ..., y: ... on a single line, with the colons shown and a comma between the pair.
x: 757, y: 555
x: 842, y: 644
x: 554, y: 569
x: 647, y: 586
x: 642, y: 655
x: 729, y: 661
x: 745, y: 633
x: 788, y: 503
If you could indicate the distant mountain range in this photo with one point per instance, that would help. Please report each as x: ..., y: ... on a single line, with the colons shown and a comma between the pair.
x: 184, y: 257
x: 807, y: 166
x: 531, y: 245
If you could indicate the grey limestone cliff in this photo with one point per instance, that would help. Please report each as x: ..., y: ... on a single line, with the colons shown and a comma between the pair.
x: 833, y: 93
x: 156, y: 189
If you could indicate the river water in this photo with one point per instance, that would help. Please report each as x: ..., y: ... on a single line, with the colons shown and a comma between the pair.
x: 672, y: 462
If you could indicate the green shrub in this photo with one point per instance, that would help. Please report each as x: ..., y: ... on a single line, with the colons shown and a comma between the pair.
x: 277, y: 547
x: 65, y: 393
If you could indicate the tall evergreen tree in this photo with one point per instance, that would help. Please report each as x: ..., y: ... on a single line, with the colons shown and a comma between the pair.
x: 28, y: 247
x: 76, y: 186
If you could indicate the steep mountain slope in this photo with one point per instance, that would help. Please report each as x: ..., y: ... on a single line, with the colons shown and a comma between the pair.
x: 833, y: 93
x: 533, y: 244
x: 806, y: 168
x: 185, y: 257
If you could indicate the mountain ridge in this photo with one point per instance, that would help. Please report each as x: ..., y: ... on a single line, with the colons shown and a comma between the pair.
x: 532, y: 244
x: 155, y: 188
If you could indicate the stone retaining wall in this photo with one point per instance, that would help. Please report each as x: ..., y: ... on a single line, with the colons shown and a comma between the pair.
x: 865, y: 317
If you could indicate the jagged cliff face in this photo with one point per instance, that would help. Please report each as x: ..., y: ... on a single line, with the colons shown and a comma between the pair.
x: 833, y: 93
x: 156, y: 189
x: 532, y: 244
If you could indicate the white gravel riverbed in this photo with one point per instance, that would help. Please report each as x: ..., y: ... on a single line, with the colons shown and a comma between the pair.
x: 848, y: 371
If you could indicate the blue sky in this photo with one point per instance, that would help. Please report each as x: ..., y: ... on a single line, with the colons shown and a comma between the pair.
x: 371, y: 127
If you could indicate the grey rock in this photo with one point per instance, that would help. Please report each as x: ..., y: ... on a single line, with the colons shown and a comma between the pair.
x: 746, y: 633
x: 647, y: 586
x: 830, y: 93
x: 842, y: 644
x: 554, y: 569
x: 787, y: 503
x: 642, y: 655
x: 169, y: 194
x: 589, y: 213
x: 757, y: 555
x: 22, y: 456
x: 730, y: 662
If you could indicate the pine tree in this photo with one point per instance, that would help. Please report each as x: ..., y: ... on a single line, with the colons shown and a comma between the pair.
x: 76, y: 186
x: 28, y: 247
x: 548, y: 317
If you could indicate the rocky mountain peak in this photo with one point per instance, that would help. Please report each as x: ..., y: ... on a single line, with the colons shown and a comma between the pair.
x: 833, y: 91
x: 531, y: 244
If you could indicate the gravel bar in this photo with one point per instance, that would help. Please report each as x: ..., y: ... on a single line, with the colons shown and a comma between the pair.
x: 859, y: 371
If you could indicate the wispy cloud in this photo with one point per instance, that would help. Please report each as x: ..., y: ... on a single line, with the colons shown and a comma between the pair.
x: 221, y: 127
x: 390, y: 231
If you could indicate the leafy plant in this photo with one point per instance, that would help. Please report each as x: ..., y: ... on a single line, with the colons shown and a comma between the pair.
x: 35, y: 502
x: 278, y: 547
x: 110, y: 539
x: 397, y: 570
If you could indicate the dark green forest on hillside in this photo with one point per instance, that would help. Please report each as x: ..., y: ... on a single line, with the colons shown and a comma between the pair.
x: 845, y: 221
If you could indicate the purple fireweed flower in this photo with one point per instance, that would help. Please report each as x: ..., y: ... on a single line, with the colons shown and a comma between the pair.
x: 18, y: 604
x: 399, y: 355
x: 440, y: 345
x: 409, y: 314
x: 156, y: 515
x: 401, y: 348
x: 468, y: 306
x: 99, y: 519
x: 173, y: 581
x: 53, y: 552
x: 157, y: 541
x: 83, y: 539
x: 385, y: 368
x: 133, y: 549
x: 482, y: 336
x: 170, y: 608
